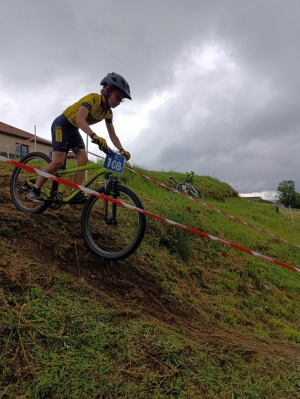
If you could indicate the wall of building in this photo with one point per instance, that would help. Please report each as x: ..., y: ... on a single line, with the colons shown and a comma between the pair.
x: 9, y: 146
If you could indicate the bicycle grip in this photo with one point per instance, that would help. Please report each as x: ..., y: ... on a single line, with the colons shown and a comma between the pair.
x: 108, y: 151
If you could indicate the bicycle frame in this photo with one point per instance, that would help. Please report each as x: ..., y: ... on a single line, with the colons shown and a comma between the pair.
x: 93, y: 166
x: 110, y: 231
x: 185, y: 187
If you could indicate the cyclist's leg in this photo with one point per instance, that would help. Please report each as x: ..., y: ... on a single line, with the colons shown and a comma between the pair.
x: 82, y: 160
x: 57, y: 162
x: 60, y: 131
x: 76, y: 141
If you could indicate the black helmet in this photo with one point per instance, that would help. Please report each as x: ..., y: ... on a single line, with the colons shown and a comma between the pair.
x: 116, y: 81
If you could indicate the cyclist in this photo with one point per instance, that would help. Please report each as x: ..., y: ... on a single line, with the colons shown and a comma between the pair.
x: 89, y: 110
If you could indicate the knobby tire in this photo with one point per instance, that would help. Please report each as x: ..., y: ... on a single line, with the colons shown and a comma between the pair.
x: 19, y: 186
x: 110, y: 241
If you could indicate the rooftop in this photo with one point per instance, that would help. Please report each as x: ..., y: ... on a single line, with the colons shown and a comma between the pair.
x: 15, y: 132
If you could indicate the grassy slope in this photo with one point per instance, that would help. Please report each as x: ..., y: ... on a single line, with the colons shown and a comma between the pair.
x: 184, y: 317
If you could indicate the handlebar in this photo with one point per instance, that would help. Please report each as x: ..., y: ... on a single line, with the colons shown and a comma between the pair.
x: 108, y: 151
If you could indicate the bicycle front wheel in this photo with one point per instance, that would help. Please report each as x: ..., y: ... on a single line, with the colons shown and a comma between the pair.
x: 22, y: 181
x: 195, y: 192
x: 111, y: 231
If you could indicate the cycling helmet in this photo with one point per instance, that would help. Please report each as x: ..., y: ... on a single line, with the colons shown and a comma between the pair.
x: 116, y: 81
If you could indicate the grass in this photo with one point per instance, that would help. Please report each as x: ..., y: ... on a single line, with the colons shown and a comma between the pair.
x: 292, y: 214
x: 183, y: 317
x: 69, y: 351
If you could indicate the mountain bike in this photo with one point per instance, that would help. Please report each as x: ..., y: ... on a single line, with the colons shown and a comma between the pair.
x: 110, y: 231
x: 185, y: 187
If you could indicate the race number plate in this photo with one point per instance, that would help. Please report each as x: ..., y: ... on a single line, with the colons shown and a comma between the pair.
x: 115, y: 163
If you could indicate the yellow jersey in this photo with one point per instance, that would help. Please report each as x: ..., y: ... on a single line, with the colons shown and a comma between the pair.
x: 94, y: 103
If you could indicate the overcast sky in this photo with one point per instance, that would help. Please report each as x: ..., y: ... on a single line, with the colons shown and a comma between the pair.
x: 215, y: 84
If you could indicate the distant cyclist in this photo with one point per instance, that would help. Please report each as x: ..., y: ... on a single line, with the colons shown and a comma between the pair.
x: 89, y: 110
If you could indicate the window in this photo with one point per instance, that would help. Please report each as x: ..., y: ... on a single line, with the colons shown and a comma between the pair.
x: 21, y: 150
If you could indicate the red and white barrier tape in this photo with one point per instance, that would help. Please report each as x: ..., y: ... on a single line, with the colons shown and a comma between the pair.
x: 208, y: 206
x: 153, y: 215
x: 215, y: 209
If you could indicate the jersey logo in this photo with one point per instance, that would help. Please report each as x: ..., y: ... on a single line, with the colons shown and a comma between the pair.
x: 58, y: 134
x: 86, y: 105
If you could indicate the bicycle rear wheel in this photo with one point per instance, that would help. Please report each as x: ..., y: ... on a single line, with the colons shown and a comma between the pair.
x: 113, y: 239
x: 22, y: 181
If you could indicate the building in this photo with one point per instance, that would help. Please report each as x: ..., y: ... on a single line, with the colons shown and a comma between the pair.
x: 15, y: 143
x: 254, y: 199
x: 258, y: 199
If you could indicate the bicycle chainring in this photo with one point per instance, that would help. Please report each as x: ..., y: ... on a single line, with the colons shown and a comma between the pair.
x: 56, y: 201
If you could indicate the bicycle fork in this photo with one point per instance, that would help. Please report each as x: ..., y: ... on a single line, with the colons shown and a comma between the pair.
x: 111, y: 186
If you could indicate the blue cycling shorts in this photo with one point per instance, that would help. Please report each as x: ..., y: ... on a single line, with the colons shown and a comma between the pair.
x: 65, y: 136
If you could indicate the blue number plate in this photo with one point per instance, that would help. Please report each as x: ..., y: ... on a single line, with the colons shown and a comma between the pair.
x: 115, y: 163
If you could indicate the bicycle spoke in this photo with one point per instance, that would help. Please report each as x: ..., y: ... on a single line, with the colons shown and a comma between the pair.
x: 22, y: 181
x: 113, y: 236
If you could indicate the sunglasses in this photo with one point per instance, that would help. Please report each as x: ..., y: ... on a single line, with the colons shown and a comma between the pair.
x: 120, y: 96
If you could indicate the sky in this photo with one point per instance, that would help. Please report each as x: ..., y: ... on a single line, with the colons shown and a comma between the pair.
x: 214, y: 84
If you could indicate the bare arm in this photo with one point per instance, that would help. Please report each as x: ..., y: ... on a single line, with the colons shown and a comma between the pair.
x: 81, y: 120
x: 112, y: 134
x: 82, y: 124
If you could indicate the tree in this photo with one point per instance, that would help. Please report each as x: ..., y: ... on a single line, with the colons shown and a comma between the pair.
x: 287, y: 193
x: 189, y: 176
x: 297, y: 201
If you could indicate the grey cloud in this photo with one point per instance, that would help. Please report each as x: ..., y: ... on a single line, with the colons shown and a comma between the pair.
x: 238, y: 121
